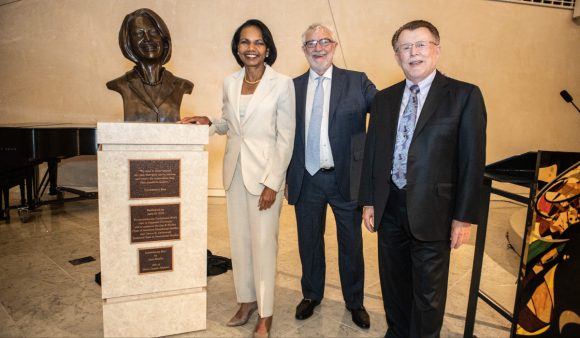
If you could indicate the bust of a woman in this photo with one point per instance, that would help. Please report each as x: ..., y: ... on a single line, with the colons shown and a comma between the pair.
x: 150, y: 92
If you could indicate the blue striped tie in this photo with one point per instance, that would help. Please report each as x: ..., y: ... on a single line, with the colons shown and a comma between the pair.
x: 313, y: 139
x: 404, y: 136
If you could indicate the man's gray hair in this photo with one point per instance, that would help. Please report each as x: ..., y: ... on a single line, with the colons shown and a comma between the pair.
x: 317, y: 26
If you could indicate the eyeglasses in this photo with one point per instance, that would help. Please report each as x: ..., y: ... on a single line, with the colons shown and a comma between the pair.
x: 420, y: 45
x: 311, y: 44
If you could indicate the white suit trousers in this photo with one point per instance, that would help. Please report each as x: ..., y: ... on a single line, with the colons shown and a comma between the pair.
x: 254, y: 244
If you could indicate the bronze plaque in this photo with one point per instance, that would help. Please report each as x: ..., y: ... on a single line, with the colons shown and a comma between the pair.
x: 154, y: 178
x: 151, y: 223
x: 155, y: 260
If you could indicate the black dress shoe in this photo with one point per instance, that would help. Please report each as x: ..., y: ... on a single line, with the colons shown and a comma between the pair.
x: 306, y: 308
x: 361, y: 317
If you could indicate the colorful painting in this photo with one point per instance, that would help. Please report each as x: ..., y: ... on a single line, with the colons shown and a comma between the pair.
x: 548, y: 294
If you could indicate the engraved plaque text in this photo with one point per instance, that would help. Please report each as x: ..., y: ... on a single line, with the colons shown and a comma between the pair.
x: 150, y: 223
x: 155, y: 260
x: 154, y: 178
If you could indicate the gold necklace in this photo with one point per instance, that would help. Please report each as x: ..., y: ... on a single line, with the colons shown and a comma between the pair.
x: 152, y: 84
x: 251, y: 82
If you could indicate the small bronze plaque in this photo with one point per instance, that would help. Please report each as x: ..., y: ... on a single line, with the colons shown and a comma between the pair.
x: 151, y: 223
x: 154, y: 178
x: 155, y: 260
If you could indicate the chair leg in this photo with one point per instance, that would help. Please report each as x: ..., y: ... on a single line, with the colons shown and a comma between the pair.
x: 22, y: 193
x: 5, y: 204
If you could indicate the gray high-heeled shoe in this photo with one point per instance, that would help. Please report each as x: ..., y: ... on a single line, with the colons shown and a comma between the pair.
x: 241, y: 320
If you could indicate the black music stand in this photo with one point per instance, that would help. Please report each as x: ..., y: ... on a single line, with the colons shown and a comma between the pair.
x: 519, y: 170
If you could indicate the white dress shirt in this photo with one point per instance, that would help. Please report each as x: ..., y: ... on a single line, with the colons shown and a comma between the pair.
x: 424, y: 87
x: 243, y: 105
x: 326, y: 160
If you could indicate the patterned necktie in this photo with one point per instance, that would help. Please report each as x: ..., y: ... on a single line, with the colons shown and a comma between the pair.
x: 313, y: 138
x: 404, y: 136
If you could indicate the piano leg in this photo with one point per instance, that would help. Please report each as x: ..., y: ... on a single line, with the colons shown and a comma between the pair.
x: 52, y: 176
x: 30, y: 182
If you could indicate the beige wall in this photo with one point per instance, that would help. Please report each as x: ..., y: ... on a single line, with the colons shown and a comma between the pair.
x: 56, y: 55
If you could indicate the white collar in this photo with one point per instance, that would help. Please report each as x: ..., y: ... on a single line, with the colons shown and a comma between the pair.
x: 423, y: 85
x: 327, y: 74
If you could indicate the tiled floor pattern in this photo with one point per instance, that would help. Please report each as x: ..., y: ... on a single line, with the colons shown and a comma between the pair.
x: 43, y: 295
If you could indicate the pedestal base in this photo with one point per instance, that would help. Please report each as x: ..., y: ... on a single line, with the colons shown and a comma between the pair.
x: 152, y: 181
x: 155, y: 314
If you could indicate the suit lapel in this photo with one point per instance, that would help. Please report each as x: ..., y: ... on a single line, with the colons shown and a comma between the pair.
x: 234, y: 92
x: 438, y: 88
x: 167, y: 87
x: 264, y: 88
x: 393, y: 118
x: 387, y: 116
x: 301, y: 88
x: 338, y: 82
x: 138, y: 88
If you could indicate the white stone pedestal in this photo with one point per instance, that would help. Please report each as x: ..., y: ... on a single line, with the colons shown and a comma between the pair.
x: 152, y: 183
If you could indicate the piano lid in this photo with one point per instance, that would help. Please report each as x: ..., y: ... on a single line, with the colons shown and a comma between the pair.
x: 48, y: 125
x: 26, y: 144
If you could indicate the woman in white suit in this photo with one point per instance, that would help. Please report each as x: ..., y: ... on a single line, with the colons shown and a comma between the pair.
x: 258, y: 118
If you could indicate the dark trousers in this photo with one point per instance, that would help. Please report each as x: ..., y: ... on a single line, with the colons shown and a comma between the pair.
x: 317, y: 193
x: 413, y: 274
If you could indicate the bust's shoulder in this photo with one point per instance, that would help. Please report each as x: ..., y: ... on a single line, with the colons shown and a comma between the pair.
x: 122, y: 81
x: 184, y: 84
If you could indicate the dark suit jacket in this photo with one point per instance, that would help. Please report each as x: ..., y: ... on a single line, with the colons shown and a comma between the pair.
x: 350, y: 99
x: 445, y: 162
x: 138, y: 105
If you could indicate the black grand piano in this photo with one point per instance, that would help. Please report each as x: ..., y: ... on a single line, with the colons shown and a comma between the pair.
x: 24, y: 146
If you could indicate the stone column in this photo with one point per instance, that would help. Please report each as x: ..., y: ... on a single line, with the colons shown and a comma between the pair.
x: 152, y: 181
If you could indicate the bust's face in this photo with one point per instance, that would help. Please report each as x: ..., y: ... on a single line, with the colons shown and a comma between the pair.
x: 146, y: 41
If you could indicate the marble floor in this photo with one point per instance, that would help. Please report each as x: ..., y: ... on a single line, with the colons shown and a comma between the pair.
x: 43, y: 295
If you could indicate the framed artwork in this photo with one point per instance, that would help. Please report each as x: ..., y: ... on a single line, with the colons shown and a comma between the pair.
x: 548, y: 291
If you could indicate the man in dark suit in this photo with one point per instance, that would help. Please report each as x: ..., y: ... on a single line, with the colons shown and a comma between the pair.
x: 421, y: 181
x: 331, y: 108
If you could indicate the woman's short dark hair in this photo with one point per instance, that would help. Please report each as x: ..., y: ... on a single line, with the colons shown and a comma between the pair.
x: 266, y: 36
x: 412, y: 25
x: 125, y: 31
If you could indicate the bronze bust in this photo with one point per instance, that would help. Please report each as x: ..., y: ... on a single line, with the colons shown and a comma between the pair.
x: 150, y: 92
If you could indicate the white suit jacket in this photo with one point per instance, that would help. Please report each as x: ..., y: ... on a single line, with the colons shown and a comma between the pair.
x: 265, y: 138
